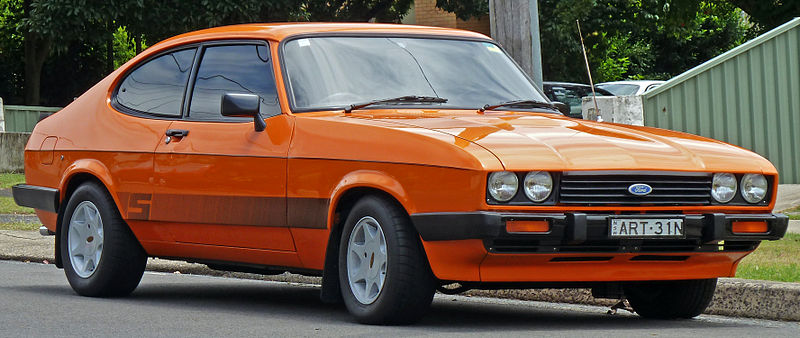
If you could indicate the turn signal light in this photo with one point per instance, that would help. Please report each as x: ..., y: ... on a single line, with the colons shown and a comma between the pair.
x: 749, y: 227
x: 527, y: 226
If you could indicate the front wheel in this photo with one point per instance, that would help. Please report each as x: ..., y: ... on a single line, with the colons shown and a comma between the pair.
x: 383, y: 273
x: 670, y: 299
x: 103, y: 258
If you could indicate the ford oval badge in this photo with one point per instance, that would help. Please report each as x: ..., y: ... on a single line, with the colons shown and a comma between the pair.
x: 640, y: 189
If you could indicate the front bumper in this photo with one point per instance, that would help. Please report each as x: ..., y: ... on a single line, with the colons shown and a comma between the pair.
x: 581, y: 232
x: 475, y: 247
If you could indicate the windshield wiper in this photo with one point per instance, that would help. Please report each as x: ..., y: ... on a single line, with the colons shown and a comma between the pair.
x: 401, y: 99
x: 529, y: 103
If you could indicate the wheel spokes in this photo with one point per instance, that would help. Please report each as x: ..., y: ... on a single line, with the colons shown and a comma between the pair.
x: 366, y: 262
x: 85, y: 239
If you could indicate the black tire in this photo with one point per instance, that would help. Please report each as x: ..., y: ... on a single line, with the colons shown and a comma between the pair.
x: 122, y: 260
x: 670, y: 299
x: 408, y: 286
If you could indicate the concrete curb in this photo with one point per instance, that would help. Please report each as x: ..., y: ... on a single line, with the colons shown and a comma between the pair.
x: 734, y: 297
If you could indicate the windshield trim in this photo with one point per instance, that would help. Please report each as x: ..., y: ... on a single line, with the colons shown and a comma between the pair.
x: 287, y: 86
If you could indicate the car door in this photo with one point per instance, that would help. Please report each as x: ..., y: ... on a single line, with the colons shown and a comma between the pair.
x: 219, y: 181
x: 151, y: 96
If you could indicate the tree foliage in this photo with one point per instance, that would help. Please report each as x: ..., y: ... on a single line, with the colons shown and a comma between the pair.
x: 625, y: 38
x: 465, y: 9
x: 11, y: 50
x: 105, y: 33
x: 769, y: 14
x: 628, y: 39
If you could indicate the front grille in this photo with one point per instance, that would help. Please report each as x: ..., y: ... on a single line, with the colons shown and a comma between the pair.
x: 600, y: 188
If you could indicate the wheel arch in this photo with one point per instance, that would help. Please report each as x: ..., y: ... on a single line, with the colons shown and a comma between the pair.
x: 352, y: 188
x: 77, y: 173
x: 366, y: 181
x: 82, y: 170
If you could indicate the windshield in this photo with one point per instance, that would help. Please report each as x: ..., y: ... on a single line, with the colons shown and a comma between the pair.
x: 335, y: 72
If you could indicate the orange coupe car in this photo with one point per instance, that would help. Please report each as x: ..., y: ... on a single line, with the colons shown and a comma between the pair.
x: 391, y: 160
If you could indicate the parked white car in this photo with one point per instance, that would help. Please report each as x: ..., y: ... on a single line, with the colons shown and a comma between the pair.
x: 626, y: 88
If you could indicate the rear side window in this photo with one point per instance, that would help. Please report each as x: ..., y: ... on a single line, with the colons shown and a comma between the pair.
x: 157, y: 86
x: 241, y: 69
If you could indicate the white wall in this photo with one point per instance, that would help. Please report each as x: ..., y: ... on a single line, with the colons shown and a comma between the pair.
x: 616, y: 109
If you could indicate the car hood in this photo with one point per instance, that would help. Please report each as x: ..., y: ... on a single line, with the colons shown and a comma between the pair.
x: 546, y: 141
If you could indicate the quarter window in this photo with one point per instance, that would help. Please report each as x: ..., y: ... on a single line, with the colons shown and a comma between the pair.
x: 157, y: 86
x: 240, y: 69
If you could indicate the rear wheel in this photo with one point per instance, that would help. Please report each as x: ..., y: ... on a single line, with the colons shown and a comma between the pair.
x: 383, y: 273
x: 670, y: 299
x: 103, y: 258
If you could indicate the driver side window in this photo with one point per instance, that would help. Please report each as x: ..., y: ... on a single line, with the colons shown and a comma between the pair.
x: 241, y: 69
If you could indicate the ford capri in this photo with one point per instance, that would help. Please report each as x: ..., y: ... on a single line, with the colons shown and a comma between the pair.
x: 390, y: 160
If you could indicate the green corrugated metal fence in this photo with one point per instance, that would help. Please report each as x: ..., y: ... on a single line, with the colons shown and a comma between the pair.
x: 21, y: 119
x: 748, y: 96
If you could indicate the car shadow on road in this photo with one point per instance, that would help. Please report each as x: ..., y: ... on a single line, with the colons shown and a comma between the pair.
x: 454, y: 314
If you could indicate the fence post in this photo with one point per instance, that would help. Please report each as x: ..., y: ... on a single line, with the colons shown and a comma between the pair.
x: 2, y: 117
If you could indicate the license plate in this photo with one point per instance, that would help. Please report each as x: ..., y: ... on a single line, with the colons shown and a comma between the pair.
x: 646, y: 227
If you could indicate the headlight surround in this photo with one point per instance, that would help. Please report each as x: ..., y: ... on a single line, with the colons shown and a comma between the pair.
x: 503, y: 185
x: 754, y: 187
x: 723, y: 187
x: 538, y: 185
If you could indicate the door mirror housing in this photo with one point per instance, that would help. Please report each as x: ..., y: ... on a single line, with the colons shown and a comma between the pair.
x: 243, y: 105
x: 562, y: 107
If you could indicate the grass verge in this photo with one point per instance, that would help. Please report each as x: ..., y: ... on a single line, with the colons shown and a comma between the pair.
x: 793, y: 213
x: 7, y: 180
x: 773, y: 260
x: 19, y: 226
x: 7, y: 206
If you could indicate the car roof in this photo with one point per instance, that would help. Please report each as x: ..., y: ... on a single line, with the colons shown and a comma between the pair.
x: 281, y: 31
x: 600, y: 91
x: 567, y: 84
x: 634, y: 82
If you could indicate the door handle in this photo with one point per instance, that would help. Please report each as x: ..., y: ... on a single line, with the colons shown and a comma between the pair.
x: 177, y: 132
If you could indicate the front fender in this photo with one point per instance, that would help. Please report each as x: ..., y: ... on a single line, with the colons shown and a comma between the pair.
x: 372, y: 179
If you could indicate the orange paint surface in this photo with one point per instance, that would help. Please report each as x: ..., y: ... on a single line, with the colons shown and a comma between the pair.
x: 539, y: 268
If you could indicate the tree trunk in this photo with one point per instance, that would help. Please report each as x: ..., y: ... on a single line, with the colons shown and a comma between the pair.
x: 36, y: 51
x: 138, y: 43
x: 110, y: 55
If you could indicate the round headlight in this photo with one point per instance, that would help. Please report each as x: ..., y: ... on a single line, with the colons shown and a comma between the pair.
x: 723, y: 187
x: 503, y: 185
x: 538, y: 185
x: 754, y: 187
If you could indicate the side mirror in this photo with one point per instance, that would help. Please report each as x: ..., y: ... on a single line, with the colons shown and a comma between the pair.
x: 243, y: 105
x: 562, y: 107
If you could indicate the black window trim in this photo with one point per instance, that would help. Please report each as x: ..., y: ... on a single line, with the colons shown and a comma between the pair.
x: 193, y: 77
x: 187, y: 90
x: 138, y: 113
x: 288, y: 86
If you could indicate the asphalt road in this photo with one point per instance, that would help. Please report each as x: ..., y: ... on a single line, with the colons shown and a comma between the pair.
x: 35, y: 300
